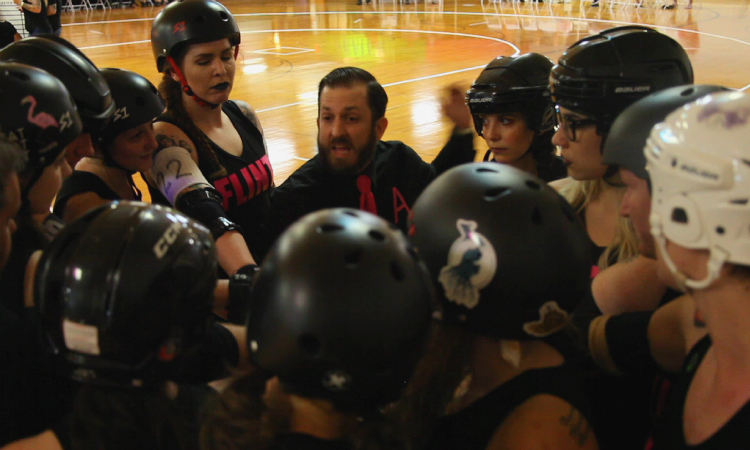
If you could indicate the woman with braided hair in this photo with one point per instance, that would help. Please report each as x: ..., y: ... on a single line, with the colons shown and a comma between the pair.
x: 212, y: 162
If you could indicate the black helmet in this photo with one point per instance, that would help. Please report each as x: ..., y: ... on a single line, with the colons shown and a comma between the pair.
x: 63, y: 60
x: 38, y: 113
x: 190, y: 21
x: 124, y: 290
x: 627, y: 137
x: 601, y: 75
x: 514, y: 84
x: 137, y: 102
x: 509, y: 255
x: 341, y: 309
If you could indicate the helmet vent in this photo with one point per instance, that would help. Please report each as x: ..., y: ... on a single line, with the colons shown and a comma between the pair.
x: 739, y: 201
x: 687, y: 92
x: 309, y: 344
x: 679, y: 215
x: 533, y: 185
x: 496, y: 193
x: 746, y: 162
x: 329, y: 228
x: 719, y: 230
x: 352, y: 258
x: 397, y: 271
x: 223, y: 16
x: 536, y: 216
x: 377, y: 235
x: 20, y: 75
x: 351, y: 213
x: 486, y: 169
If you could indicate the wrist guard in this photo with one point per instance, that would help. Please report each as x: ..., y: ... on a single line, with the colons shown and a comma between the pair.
x: 240, y: 293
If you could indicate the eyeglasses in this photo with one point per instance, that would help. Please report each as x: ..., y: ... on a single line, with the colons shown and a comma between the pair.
x: 571, y: 125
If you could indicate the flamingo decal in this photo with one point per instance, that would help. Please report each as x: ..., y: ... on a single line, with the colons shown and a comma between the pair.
x: 43, y: 120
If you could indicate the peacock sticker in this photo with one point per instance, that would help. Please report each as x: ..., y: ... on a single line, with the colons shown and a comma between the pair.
x: 471, y: 265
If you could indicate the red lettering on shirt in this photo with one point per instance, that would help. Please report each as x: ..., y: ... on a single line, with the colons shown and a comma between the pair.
x: 258, y: 177
x: 398, y: 204
x: 241, y: 197
x: 222, y: 185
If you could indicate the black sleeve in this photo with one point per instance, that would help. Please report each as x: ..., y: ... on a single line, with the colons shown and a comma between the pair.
x: 458, y: 150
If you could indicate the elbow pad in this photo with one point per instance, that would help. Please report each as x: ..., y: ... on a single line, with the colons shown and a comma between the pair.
x: 203, y: 203
x: 621, y: 342
x: 176, y: 172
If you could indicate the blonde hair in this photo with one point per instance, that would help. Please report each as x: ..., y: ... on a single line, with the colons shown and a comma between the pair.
x: 624, y: 246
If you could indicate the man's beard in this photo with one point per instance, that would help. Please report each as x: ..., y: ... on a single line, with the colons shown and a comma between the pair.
x: 364, y: 155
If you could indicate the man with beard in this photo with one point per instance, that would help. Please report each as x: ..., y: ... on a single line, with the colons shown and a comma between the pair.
x: 354, y: 167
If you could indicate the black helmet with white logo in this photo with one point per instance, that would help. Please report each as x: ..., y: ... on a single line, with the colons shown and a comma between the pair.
x: 513, y: 84
x: 124, y: 290
x: 601, y: 75
x: 509, y: 255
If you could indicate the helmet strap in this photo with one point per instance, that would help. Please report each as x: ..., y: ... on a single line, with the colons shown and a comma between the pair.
x: 186, y: 88
x: 716, y: 260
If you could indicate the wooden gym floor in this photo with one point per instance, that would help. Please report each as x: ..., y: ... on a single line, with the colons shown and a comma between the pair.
x: 414, y: 49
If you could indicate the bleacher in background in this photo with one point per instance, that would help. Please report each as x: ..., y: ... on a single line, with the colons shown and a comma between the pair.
x: 9, y: 11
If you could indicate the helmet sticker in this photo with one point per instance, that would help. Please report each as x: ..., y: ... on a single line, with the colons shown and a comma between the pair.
x: 179, y: 26
x: 43, y: 120
x: 81, y: 338
x: 65, y: 121
x: 120, y: 113
x: 726, y: 119
x: 472, y: 264
x: 166, y: 240
x: 337, y: 380
x: 552, y: 318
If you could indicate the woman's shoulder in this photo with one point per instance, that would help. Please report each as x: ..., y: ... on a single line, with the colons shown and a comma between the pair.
x: 544, y: 421
x: 247, y: 111
x: 561, y: 184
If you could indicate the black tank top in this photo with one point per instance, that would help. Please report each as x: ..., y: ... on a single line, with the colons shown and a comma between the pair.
x: 472, y: 427
x: 80, y: 182
x: 247, y: 184
x: 670, y: 434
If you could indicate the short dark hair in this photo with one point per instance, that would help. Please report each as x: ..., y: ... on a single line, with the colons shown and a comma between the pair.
x: 377, y: 99
x: 12, y: 159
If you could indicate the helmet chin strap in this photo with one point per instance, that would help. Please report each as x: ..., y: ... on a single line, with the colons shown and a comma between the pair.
x: 716, y: 260
x: 187, y: 89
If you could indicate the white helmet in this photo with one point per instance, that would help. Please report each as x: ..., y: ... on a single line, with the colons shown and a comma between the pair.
x: 699, y: 163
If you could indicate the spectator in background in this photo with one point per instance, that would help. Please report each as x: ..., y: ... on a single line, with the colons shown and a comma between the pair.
x: 8, y: 33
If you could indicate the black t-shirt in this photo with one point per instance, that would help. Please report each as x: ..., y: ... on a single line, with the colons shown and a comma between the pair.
x: 247, y: 184
x: 398, y: 176
x: 472, y: 427
x: 37, y: 20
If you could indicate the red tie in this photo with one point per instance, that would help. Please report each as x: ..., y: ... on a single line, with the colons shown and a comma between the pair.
x: 367, y: 199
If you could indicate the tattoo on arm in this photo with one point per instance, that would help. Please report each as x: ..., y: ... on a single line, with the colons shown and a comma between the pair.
x: 249, y: 114
x: 170, y: 141
x: 578, y: 426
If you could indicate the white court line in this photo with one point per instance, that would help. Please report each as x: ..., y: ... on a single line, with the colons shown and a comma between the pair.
x: 307, y: 13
